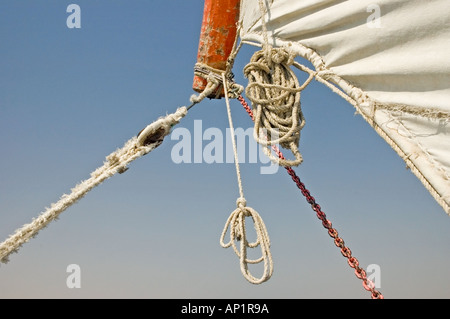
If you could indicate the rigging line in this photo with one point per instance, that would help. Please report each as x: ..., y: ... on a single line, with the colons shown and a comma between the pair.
x: 146, y: 141
x: 338, y: 241
x: 190, y: 106
x: 236, y: 160
x: 236, y: 221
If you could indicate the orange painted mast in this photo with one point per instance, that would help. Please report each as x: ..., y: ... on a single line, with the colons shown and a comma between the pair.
x: 217, y: 36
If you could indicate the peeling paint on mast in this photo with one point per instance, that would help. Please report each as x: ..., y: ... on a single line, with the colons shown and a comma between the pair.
x: 217, y: 37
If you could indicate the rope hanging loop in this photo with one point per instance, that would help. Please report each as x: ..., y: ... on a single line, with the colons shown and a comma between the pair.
x: 236, y: 226
x: 236, y: 221
x: 274, y: 92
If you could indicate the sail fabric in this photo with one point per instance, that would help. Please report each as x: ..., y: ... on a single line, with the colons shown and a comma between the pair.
x: 390, y: 58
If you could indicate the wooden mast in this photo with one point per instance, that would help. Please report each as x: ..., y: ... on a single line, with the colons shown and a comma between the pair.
x: 217, y: 36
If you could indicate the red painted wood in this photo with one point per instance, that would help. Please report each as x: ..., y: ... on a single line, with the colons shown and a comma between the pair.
x: 217, y: 36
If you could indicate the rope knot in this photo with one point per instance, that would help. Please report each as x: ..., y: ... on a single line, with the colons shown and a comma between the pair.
x: 281, y: 55
x: 214, y: 86
x: 241, y: 203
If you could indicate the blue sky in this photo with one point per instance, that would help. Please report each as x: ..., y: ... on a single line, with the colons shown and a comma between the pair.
x: 69, y: 97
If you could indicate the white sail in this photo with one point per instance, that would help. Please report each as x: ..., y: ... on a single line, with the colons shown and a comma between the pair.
x: 390, y: 57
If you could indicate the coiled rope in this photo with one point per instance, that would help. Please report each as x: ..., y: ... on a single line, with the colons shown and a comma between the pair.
x: 274, y: 92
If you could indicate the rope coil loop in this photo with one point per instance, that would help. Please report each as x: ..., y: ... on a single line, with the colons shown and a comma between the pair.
x: 274, y: 92
x: 236, y: 226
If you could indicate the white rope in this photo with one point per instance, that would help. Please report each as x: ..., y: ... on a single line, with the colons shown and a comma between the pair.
x: 274, y: 92
x: 236, y: 225
x: 211, y: 88
x: 147, y: 140
x: 236, y: 221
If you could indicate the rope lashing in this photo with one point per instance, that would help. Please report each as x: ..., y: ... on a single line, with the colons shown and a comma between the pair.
x: 214, y: 81
x: 274, y: 92
x: 210, y: 89
x: 146, y: 141
x: 236, y: 222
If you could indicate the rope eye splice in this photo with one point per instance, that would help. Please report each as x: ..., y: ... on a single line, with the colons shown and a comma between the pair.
x: 154, y: 133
